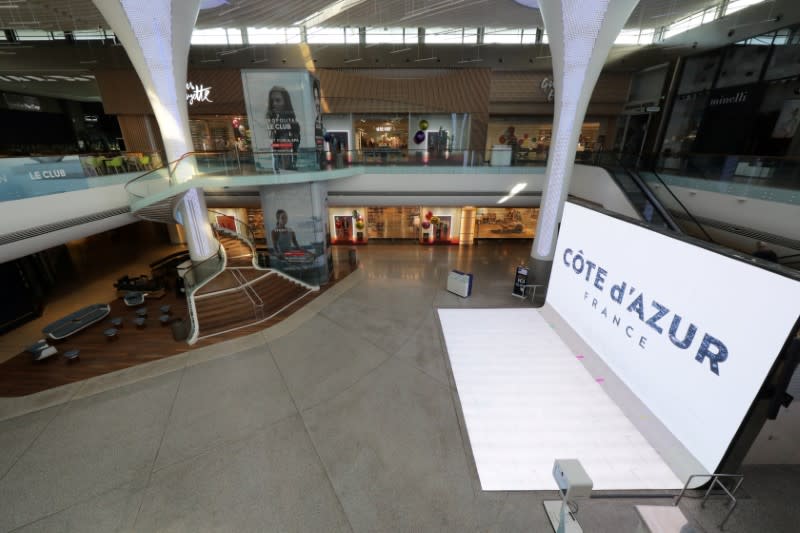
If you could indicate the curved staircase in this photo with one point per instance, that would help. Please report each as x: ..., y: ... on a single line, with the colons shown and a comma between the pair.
x: 242, y: 294
x: 227, y: 291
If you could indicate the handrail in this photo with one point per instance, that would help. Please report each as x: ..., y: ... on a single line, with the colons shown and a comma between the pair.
x: 195, y: 324
x: 244, y: 286
x: 685, y: 209
x: 171, y: 167
x: 715, y: 481
x: 250, y: 237
x: 719, y: 154
x: 647, y: 190
x: 641, y: 187
x: 654, y: 201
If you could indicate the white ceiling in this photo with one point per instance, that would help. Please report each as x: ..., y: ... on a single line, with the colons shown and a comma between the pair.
x: 82, y: 14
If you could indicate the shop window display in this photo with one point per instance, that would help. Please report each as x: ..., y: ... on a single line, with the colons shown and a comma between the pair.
x: 392, y: 222
x: 220, y: 134
x: 505, y: 223
x: 439, y: 225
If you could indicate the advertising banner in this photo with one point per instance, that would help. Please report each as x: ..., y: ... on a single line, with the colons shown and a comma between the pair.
x: 295, y: 232
x: 24, y: 177
x: 691, y: 332
x: 285, y: 119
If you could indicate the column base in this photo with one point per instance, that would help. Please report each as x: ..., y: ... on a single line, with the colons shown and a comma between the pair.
x: 539, y: 274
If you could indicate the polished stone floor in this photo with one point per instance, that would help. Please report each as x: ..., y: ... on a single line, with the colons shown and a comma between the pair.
x: 345, y: 419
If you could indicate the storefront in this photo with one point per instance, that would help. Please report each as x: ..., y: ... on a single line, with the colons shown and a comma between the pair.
x: 219, y: 133
x: 430, y: 224
x: 750, y: 91
x: 529, y: 139
x: 217, y: 114
x: 387, y: 138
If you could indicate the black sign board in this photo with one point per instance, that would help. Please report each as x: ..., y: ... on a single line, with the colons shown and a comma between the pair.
x: 520, y: 280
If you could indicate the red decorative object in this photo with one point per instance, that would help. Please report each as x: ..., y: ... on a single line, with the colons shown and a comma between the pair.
x: 429, y: 215
x: 426, y: 224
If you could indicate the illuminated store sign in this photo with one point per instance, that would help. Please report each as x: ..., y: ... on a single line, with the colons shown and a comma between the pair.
x: 198, y: 93
x: 671, y: 323
x: 22, y: 102
x: 548, y: 88
x: 738, y: 98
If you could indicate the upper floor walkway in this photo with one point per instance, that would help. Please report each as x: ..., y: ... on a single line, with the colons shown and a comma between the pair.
x: 755, y: 197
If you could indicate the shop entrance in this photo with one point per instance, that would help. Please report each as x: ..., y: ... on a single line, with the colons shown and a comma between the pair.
x: 220, y: 133
x: 384, y: 136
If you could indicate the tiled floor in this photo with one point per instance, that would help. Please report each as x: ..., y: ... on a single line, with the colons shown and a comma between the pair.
x: 345, y: 419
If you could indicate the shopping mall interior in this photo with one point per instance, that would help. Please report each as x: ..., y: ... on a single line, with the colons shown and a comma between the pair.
x: 400, y: 266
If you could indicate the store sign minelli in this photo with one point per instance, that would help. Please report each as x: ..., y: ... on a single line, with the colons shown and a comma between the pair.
x: 671, y: 322
x: 197, y: 93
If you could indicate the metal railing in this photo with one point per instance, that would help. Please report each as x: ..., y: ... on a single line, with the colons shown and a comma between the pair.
x: 656, y: 191
x: 194, y: 279
x: 715, y: 482
x: 248, y: 237
x: 642, y: 198
x: 762, y: 171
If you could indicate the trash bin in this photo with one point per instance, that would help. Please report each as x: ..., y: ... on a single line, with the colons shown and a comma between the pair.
x: 352, y: 255
x: 179, y: 330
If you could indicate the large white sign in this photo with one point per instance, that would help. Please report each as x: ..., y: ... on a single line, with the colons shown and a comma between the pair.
x: 691, y: 332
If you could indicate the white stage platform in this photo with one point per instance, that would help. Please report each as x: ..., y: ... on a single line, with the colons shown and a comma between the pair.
x: 528, y: 400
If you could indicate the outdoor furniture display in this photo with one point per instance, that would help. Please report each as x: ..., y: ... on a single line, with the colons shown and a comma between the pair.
x: 164, y: 309
x: 117, y: 322
x: 94, y: 166
x: 111, y: 333
x: 134, y: 298
x: 164, y: 319
x: 75, y: 322
x: 72, y: 355
x: 115, y: 163
x: 41, y: 350
x: 141, y: 312
x: 132, y: 162
x: 139, y: 322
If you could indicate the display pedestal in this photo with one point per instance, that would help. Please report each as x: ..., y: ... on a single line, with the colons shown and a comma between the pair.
x: 459, y: 283
x: 553, y: 510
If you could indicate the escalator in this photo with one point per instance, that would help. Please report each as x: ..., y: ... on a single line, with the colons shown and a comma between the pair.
x: 662, y: 210
x: 656, y: 202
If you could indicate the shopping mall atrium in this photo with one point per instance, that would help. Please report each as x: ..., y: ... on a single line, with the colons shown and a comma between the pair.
x: 468, y: 265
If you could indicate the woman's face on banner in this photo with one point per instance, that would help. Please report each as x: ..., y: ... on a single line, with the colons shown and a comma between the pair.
x: 276, y: 101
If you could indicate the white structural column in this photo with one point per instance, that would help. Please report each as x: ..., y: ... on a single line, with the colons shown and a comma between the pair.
x: 157, y: 35
x: 581, y: 33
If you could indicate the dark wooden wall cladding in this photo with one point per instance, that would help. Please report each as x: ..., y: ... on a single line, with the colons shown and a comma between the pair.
x: 123, y: 93
x: 449, y: 91
x: 518, y: 92
x: 141, y: 133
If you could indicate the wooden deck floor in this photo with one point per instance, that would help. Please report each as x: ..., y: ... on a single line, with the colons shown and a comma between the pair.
x: 20, y: 376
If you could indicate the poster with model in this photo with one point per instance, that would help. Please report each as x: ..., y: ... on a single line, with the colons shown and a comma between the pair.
x: 295, y: 231
x: 283, y: 117
x: 788, y: 120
